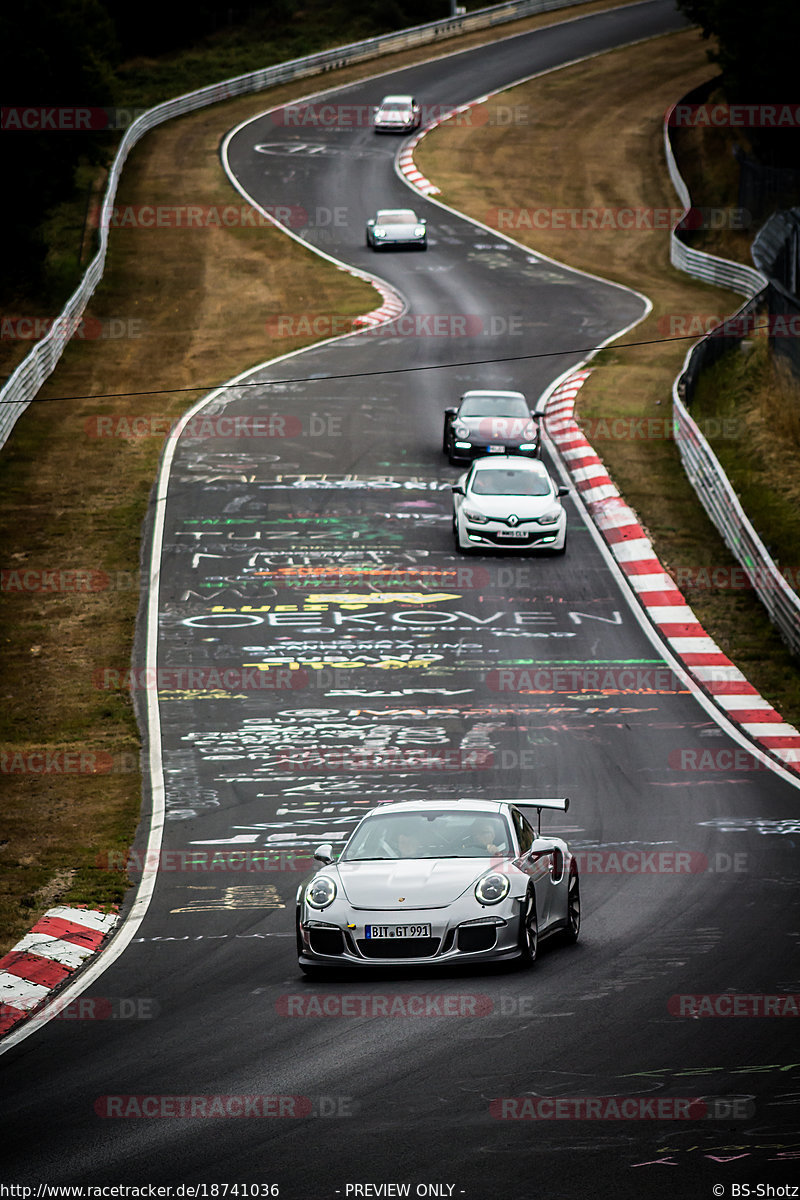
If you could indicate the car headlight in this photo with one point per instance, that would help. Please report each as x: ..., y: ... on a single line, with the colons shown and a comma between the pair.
x: 320, y: 892
x: 492, y: 888
x: 419, y: 231
x: 550, y: 517
x: 529, y: 432
x: 379, y: 232
x: 461, y: 430
x: 477, y: 517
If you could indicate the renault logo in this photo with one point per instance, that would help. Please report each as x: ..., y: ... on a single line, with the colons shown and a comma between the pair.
x: 513, y: 519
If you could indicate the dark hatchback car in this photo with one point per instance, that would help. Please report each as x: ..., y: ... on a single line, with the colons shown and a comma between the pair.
x: 490, y: 422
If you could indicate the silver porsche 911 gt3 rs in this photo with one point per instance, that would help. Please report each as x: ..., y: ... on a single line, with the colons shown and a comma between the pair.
x: 428, y: 882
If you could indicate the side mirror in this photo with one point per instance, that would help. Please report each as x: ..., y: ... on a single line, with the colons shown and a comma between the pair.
x: 538, y: 850
x: 458, y: 490
x: 423, y: 220
x: 371, y: 221
x: 324, y: 853
x: 562, y: 490
x: 450, y: 412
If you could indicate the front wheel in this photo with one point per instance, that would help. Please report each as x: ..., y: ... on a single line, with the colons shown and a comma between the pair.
x: 528, y: 931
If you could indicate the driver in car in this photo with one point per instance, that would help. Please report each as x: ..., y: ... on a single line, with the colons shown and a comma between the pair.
x: 484, y: 838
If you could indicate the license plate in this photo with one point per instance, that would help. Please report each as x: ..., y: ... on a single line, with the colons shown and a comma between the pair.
x: 398, y: 931
x: 512, y: 533
x: 496, y: 449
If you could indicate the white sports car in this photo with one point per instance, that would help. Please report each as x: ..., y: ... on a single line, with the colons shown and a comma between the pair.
x: 509, y: 503
x: 397, y: 114
x: 397, y: 227
x: 428, y: 882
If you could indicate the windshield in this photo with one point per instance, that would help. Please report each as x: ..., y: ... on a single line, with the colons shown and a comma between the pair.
x: 495, y: 406
x: 402, y: 217
x: 510, y: 481
x: 435, y: 834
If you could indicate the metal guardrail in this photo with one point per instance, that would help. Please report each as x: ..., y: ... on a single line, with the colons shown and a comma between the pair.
x: 708, y: 267
x: 21, y: 387
x: 702, y: 466
x: 776, y: 251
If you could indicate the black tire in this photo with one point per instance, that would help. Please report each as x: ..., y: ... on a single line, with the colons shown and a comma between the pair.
x: 298, y: 936
x: 573, y: 930
x: 528, y: 937
x: 445, y: 431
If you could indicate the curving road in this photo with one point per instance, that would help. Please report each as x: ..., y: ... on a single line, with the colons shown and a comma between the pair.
x: 310, y: 558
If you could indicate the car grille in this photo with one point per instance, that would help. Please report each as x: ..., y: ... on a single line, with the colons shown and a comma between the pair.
x: 476, y: 937
x: 326, y: 941
x: 398, y: 947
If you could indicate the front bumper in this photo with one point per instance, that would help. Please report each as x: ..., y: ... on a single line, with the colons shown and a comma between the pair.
x: 377, y: 242
x: 490, y: 936
x: 532, y: 536
x: 395, y: 126
x: 482, y: 450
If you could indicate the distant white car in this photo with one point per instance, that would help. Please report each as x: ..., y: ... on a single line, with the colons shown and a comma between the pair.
x: 397, y: 227
x: 397, y: 114
x: 509, y: 503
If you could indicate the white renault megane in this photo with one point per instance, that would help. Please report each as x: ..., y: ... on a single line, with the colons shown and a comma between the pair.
x: 509, y: 503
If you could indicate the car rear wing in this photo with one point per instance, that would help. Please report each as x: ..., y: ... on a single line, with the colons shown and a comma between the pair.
x: 539, y: 803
